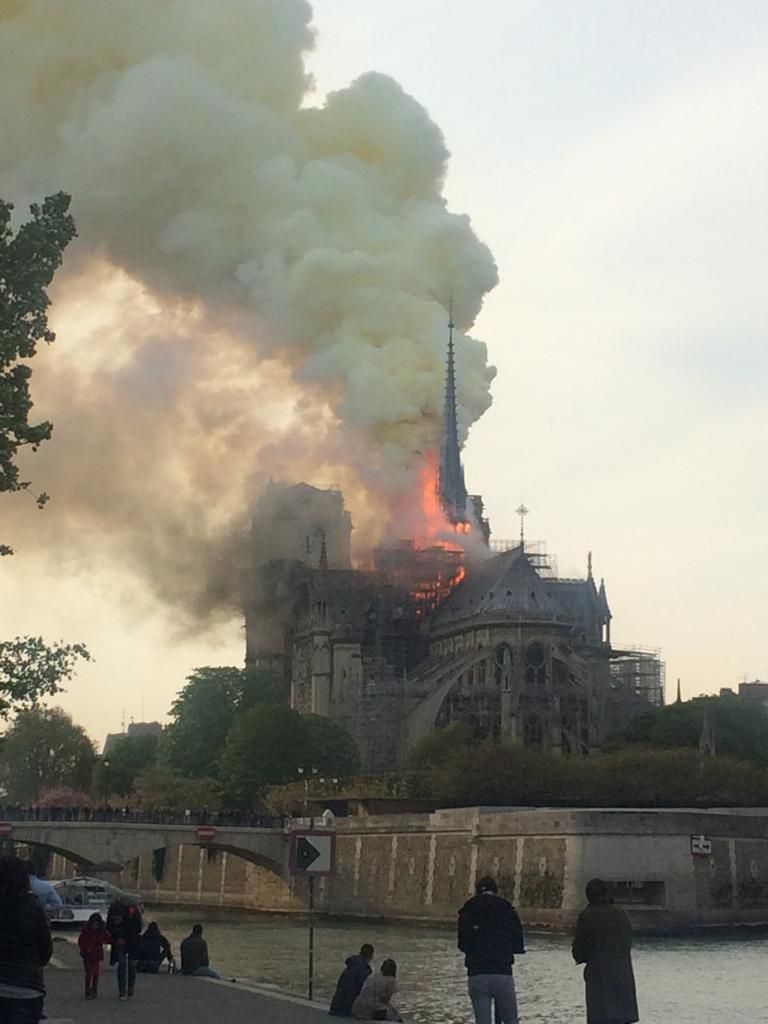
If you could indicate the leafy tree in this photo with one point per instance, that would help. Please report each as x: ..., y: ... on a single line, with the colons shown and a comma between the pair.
x: 635, y: 776
x: 268, y: 744
x: 28, y: 262
x: 440, y: 746
x: 30, y: 669
x: 117, y: 772
x: 44, y: 748
x: 739, y: 730
x: 325, y: 745
x: 65, y: 796
x: 204, y: 711
x: 156, y: 789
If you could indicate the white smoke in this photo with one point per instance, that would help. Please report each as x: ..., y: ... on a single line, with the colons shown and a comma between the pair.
x: 297, y: 262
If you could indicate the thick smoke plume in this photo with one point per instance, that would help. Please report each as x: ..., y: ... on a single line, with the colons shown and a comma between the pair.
x: 259, y: 286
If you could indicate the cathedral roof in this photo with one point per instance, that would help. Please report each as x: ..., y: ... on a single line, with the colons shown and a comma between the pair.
x: 505, y: 583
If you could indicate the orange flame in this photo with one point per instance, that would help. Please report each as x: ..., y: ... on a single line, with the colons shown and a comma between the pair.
x: 433, y: 532
x: 435, y: 524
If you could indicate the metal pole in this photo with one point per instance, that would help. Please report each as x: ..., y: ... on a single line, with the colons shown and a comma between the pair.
x: 311, y: 934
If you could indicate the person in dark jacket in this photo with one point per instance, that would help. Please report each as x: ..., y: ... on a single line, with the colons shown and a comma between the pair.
x: 91, y: 942
x: 25, y: 946
x: 154, y: 948
x: 490, y: 934
x: 351, y: 981
x: 603, y: 942
x: 124, y: 925
x: 194, y: 955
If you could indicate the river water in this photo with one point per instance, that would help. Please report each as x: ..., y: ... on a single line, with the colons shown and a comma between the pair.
x: 708, y: 980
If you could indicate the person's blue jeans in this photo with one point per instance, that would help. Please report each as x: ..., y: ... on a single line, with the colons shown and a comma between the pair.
x: 20, y: 1011
x: 485, y: 990
x: 126, y: 974
x: 203, y: 972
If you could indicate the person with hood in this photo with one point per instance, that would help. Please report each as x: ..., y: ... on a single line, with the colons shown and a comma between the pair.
x: 350, y: 981
x: 375, y: 999
x: 92, y: 940
x: 194, y: 955
x: 25, y: 946
x: 490, y: 934
x: 153, y: 949
x: 124, y: 925
x: 603, y: 942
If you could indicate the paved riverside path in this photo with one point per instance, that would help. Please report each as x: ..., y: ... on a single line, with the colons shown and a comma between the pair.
x: 167, y: 999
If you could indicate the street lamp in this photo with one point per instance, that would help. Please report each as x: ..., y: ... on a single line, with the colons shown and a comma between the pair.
x: 304, y: 773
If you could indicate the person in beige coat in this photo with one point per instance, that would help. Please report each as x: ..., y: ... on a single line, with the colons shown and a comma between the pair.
x: 375, y: 999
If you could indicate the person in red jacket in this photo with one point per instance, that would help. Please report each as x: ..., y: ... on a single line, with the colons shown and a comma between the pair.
x: 92, y: 940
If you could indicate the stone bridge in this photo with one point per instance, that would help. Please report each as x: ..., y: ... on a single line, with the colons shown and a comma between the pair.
x: 108, y: 846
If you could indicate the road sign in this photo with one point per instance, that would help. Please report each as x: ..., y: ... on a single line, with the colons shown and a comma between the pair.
x: 6, y: 828
x: 205, y: 833
x: 313, y: 853
x: 701, y: 846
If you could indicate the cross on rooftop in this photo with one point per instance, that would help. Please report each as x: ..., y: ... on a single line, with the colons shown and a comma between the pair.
x: 522, y: 511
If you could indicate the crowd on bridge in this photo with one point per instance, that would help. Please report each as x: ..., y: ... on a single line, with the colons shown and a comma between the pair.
x: 230, y: 818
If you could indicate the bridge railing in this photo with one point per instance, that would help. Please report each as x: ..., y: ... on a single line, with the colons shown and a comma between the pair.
x: 139, y: 816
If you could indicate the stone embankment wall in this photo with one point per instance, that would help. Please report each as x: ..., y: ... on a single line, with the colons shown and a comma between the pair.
x: 425, y: 866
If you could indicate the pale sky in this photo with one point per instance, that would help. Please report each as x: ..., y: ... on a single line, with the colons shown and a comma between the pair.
x: 614, y: 156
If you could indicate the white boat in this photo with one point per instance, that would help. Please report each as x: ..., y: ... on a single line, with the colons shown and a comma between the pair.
x: 83, y: 896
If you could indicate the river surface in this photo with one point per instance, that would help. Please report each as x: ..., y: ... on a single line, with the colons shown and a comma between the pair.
x: 712, y: 980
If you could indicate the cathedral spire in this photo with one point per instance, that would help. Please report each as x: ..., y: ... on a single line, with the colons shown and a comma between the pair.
x: 451, y: 488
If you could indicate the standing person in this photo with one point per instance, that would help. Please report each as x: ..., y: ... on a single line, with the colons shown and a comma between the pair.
x: 124, y: 925
x: 490, y: 934
x: 375, y: 999
x: 603, y: 942
x: 92, y: 940
x: 350, y: 981
x: 194, y: 955
x: 49, y: 899
x: 25, y: 946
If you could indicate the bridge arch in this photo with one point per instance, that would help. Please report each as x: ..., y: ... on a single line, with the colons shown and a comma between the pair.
x: 92, y: 843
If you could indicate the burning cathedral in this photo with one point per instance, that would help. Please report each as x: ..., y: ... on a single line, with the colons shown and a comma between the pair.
x: 484, y: 634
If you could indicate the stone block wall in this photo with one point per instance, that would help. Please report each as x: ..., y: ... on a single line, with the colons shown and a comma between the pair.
x: 425, y: 866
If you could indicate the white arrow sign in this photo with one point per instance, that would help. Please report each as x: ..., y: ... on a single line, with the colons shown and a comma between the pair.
x: 313, y: 853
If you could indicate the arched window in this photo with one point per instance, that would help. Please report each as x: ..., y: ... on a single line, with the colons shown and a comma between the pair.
x: 533, y: 732
x: 504, y: 663
x: 535, y: 667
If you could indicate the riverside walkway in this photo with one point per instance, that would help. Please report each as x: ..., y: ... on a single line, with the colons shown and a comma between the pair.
x: 167, y: 999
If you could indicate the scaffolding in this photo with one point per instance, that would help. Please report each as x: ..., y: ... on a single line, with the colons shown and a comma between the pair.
x: 544, y: 563
x: 642, y: 671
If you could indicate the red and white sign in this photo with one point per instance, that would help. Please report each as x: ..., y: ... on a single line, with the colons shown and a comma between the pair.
x: 205, y: 833
x: 6, y: 828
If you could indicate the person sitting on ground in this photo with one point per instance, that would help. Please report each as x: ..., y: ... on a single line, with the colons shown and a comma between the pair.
x: 154, y: 948
x: 25, y: 946
x: 375, y: 999
x: 92, y: 940
x: 350, y: 982
x: 194, y: 955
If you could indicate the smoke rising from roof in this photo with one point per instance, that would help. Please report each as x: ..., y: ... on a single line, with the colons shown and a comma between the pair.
x: 258, y: 289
